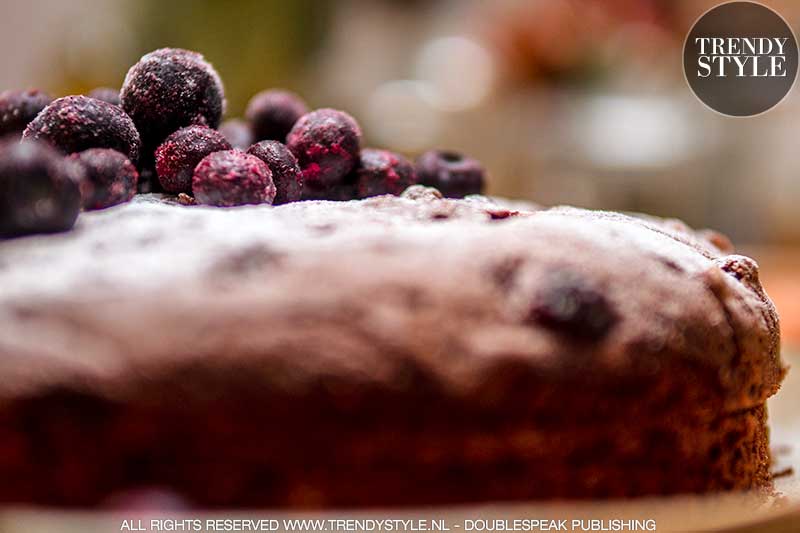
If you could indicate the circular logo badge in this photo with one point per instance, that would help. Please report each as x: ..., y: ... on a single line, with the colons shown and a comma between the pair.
x: 740, y: 59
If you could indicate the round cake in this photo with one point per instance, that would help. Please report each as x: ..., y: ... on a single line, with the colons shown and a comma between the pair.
x: 392, y: 351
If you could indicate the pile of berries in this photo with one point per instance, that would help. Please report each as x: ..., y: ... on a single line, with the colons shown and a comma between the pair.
x: 162, y: 132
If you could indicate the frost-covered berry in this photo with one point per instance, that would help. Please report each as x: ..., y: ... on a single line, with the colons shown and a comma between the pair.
x: 77, y: 123
x: 39, y: 191
x: 18, y: 108
x: 326, y: 143
x: 238, y: 133
x: 272, y: 114
x: 106, y: 94
x: 383, y: 172
x: 285, y: 171
x: 453, y: 174
x: 169, y: 89
x: 110, y: 176
x: 231, y: 178
x: 180, y: 153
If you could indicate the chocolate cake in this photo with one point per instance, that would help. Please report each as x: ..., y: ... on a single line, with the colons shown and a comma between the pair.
x: 390, y: 351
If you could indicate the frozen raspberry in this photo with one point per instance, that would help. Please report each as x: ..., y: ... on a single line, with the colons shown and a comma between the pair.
x: 39, y: 192
x: 285, y: 171
x: 272, y: 114
x: 232, y: 177
x: 169, y: 89
x: 326, y: 143
x: 182, y: 151
x: 18, y: 108
x: 105, y: 94
x: 453, y: 174
x: 569, y: 305
x: 77, y: 123
x: 111, y: 176
x: 238, y: 133
x: 383, y: 172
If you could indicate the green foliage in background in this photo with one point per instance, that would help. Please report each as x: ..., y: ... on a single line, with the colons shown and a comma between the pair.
x: 254, y: 44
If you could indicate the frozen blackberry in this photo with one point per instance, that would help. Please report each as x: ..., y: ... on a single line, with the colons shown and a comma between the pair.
x: 39, y: 191
x: 285, y: 171
x: 18, y: 108
x: 272, y: 114
x: 326, y: 143
x: 232, y: 177
x: 453, y: 174
x: 169, y: 89
x: 77, y: 123
x: 572, y: 306
x: 106, y: 94
x: 182, y: 151
x: 383, y: 172
x: 238, y: 133
x: 111, y: 177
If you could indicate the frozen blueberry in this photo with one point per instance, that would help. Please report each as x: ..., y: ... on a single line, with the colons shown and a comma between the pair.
x: 105, y: 94
x: 272, y: 114
x: 285, y: 171
x: 111, y: 177
x: 77, y: 123
x: 326, y: 143
x: 383, y: 172
x: 169, y: 89
x: 18, y: 108
x: 453, y: 174
x: 570, y: 305
x: 39, y: 192
x: 182, y: 151
x: 232, y: 177
x: 238, y: 133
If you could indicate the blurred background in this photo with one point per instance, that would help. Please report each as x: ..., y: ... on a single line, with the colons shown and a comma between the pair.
x: 565, y: 101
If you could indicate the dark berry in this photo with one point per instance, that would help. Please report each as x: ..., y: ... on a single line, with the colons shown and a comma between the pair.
x: 148, y: 181
x: 182, y: 151
x: 453, y: 174
x: 272, y: 114
x: 569, y: 305
x: 326, y: 143
x: 343, y: 191
x: 77, y: 123
x: 111, y: 177
x: 18, y: 108
x: 39, y: 191
x: 105, y: 94
x: 383, y: 172
x: 169, y: 89
x: 285, y: 171
x: 232, y: 177
x: 238, y: 133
